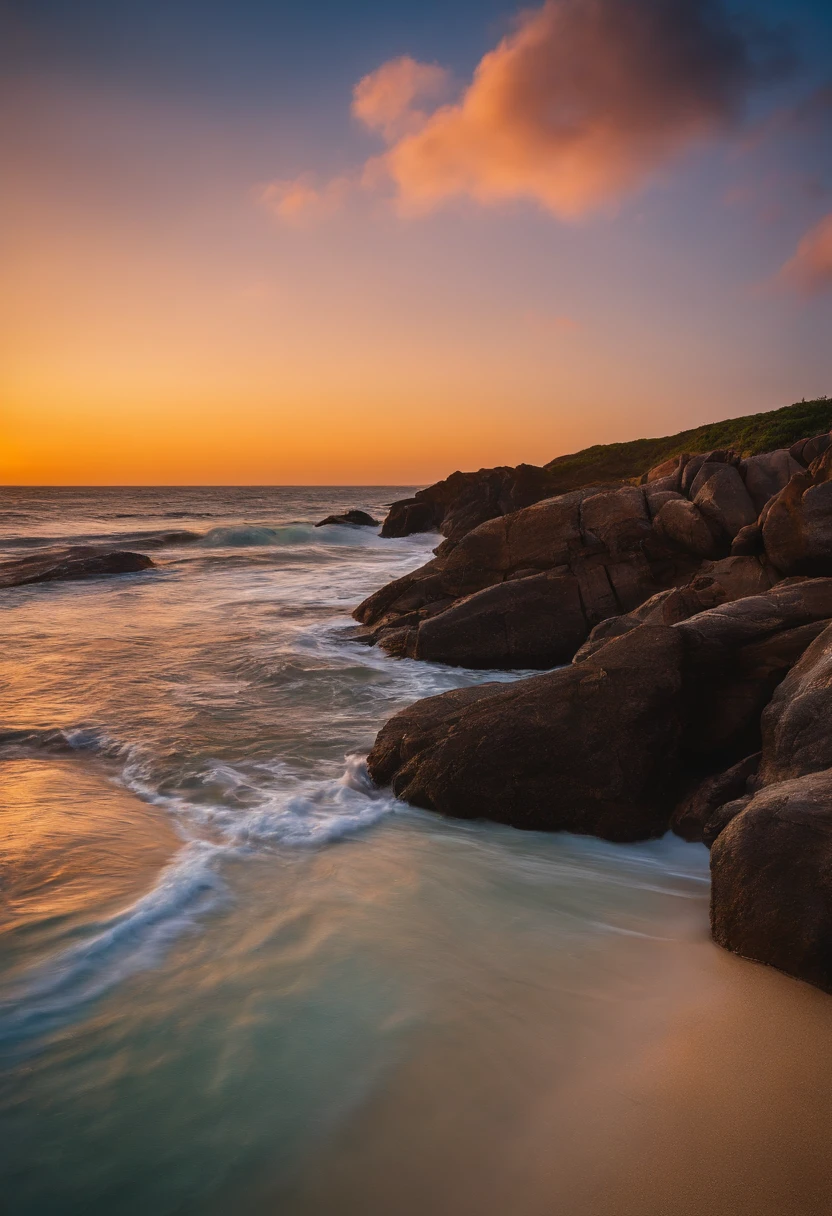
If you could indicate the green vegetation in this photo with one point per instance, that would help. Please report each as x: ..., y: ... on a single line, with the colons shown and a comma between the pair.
x: 616, y: 462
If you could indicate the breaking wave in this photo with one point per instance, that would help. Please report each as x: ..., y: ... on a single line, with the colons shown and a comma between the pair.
x: 228, y: 811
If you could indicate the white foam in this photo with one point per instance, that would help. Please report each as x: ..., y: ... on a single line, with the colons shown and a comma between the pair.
x: 129, y: 941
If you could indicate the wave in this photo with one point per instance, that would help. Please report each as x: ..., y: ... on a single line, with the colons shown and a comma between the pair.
x: 132, y: 940
x: 158, y: 539
x: 228, y: 812
x: 239, y: 536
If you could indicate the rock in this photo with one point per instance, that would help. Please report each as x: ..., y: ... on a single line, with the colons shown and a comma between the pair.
x: 410, y: 515
x: 77, y: 562
x: 723, y: 499
x: 463, y: 501
x: 668, y: 468
x: 694, y: 812
x: 590, y: 748
x: 524, y: 623
x: 796, y: 724
x: 694, y: 463
x: 618, y: 519
x: 682, y: 524
x: 766, y: 475
x: 719, y: 583
x: 771, y: 879
x: 807, y: 450
x: 358, y: 518
x: 737, y: 683
x: 748, y: 542
x: 797, y: 527
x: 756, y: 617
x: 657, y: 498
x: 723, y: 815
x: 739, y: 576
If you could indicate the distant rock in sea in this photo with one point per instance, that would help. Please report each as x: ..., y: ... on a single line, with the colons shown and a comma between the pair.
x: 67, y: 565
x: 358, y: 519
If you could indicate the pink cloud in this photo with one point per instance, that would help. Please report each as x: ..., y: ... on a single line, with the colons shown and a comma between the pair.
x: 301, y: 201
x: 579, y: 105
x: 810, y: 269
x: 385, y: 99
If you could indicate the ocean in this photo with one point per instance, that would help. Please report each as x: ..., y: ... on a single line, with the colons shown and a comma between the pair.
x: 236, y: 978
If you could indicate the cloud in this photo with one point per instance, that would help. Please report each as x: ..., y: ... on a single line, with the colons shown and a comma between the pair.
x: 810, y: 270
x: 385, y: 99
x: 581, y: 103
x: 300, y: 201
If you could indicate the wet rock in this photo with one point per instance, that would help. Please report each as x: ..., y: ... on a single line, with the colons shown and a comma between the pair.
x: 771, y: 879
x: 360, y: 519
x: 591, y: 748
x: 66, y: 565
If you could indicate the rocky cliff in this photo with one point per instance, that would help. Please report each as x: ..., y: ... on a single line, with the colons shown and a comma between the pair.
x: 696, y: 610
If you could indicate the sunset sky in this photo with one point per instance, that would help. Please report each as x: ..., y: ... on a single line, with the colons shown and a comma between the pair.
x: 262, y: 242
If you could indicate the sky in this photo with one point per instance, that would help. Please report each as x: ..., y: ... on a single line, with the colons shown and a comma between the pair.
x: 257, y: 242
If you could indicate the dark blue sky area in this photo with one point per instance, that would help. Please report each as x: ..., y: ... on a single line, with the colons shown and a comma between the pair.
x: 256, y: 51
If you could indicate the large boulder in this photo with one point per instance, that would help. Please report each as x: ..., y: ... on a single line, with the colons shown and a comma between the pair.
x: 681, y: 523
x: 771, y: 879
x: 590, y: 748
x: 767, y: 474
x: 530, y: 622
x: 66, y: 565
x: 797, y: 526
x: 719, y: 493
x: 617, y: 519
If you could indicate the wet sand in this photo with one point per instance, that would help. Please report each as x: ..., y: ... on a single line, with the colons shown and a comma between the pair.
x: 76, y: 847
x: 701, y: 1090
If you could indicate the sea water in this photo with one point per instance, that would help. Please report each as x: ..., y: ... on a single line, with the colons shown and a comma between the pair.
x: 236, y: 978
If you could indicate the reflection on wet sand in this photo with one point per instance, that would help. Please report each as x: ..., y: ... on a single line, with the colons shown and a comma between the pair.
x: 75, y: 847
x: 702, y: 1088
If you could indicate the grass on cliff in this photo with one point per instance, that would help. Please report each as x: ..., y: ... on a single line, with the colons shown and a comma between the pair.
x: 606, y: 462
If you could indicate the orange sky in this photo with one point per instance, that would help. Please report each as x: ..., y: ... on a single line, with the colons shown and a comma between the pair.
x: 167, y: 316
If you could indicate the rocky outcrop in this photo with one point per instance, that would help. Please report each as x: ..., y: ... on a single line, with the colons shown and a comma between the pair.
x: 610, y: 744
x: 602, y: 554
x: 77, y: 562
x: 698, y: 608
x: 694, y: 533
x: 464, y: 500
x: 360, y: 519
